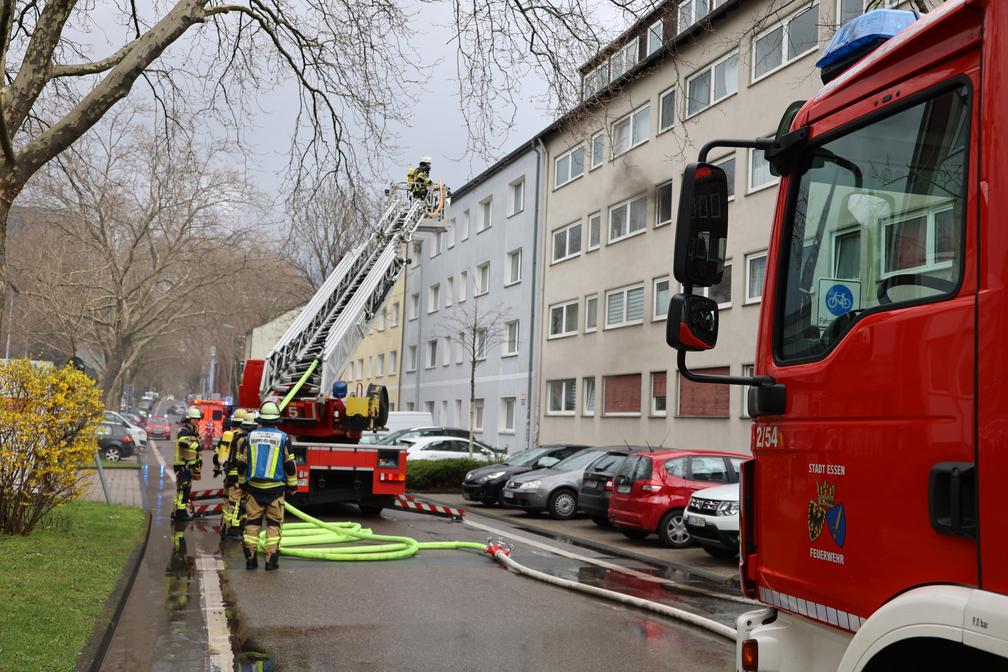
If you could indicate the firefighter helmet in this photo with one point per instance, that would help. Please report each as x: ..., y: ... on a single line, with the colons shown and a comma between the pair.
x: 194, y: 413
x: 238, y: 417
x: 269, y: 411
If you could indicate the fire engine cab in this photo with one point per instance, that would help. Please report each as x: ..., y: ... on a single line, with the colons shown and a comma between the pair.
x: 873, y: 529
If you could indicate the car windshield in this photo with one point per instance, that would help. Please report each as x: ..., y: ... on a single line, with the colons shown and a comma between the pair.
x: 577, y: 460
x: 158, y: 419
x: 609, y: 461
x: 524, y: 457
x: 878, y: 222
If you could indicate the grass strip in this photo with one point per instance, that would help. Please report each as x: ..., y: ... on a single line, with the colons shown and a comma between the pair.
x: 55, y: 582
x: 121, y: 464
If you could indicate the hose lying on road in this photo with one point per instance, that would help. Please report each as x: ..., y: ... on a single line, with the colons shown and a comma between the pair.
x: 314, y: 532
x: 657, y: 607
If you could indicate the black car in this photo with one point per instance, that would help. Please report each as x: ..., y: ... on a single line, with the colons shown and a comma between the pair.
x: 114, y: 441
x: 597, y: 485
x: 486, y: 483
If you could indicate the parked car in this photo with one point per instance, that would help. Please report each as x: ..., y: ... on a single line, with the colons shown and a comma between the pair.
x: 597, y: 484
x: 159, y: 426
x: 651, y: 491
x: 404, y: 436
x: 712, y: 518
x: 553, y: 489
x: 135, y: 431
x: 486, y: 484
x: 114, y: 441
x: 177, y: 410
x: 447, y: 447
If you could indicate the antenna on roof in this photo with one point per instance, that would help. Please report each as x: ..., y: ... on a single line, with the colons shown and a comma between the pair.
x: 650, y: 449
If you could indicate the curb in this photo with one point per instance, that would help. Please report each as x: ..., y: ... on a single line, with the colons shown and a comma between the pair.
x: 93, y: 654
x: 734, y: 582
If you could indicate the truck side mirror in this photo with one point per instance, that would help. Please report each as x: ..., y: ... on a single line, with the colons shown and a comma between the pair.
x: 702, y: 226
x: 692, y: 322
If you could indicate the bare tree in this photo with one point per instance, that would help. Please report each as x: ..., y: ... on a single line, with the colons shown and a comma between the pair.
x: 475, y: 329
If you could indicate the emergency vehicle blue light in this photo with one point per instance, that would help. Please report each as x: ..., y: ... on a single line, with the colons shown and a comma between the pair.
x: 339, y: 389
x: 863, y: 34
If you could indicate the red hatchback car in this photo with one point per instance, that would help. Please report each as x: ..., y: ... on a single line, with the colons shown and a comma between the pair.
x: 158, y: 426
x: 651, y: 490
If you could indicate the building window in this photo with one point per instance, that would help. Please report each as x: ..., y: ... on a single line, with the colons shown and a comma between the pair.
x: 785, y: 42
x: 414, y: 305
x: 446, y: 351
x: 480, y: 343
x: 702, y: 400
x: 410, y: 406
x: 597, y: 149
x: 568, y: 166
x: 596, y: 80
x: 850, y: 9
x: 393, y: 360
x: 411, y: 362
x: 691, y: 11
x: 567, y: 242
x: 659, y: 392
x: 458, y: 412
x: 563, y: 319
x: 438, y: 246
x: 661, y: 298
x: 624, y: 59
x: 514, y: 259
x: 663, y: 204
x: 380, y: 365
x: 482, y: 279
x: 360, y: 369
x: 434, y: 297
x: 380, y: 323
x: 588, y: 395
x: 561, y: 396
x: 627, y: 218
x: 714, y: 83
x: 516, y: 202
x: 449, y: 291
x: 465, y: 224
x: 666, y: 110
x: 451, y: 233
x: 755, y: 276
x: 655, y: 37
x: 621, y: 395
x: 918, y: 242
x: 460, y: 348
x: 511, y: 338
x: 432, y: 347
x: 591, y: 313
x: 624, y: 306
x: 394, y: 316
x: 486, y: 212
x: 759, y: 171
x: 847, y: 254
x: 748, y: 370
x: 631, y: 130
x: 429, y: 407
x: 594, y: 231
x: 508, y: 415
x: 463, y: 285
x: 721, y: 292
x: 727, y: 164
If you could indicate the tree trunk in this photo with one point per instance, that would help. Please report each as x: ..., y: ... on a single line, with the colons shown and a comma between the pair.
x: 6, y: 198
x: 472, y: 402
x: 112, y: 377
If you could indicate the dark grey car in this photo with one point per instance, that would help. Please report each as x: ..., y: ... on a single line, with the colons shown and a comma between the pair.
x: 554, y: 489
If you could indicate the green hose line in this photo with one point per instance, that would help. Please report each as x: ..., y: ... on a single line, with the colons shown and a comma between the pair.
x: 314, y: 532
x: 297, y: 386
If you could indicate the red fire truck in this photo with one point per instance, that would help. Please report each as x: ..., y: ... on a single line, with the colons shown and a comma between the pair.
x: 872, y: 528
x: 302, y: 370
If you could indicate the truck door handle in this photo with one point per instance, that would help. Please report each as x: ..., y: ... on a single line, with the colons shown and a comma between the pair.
x: 952, y: 498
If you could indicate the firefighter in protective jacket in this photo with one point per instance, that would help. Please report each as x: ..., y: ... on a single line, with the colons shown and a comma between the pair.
x: 187, y: 463
x: 266, y: 471
x: 224, y: 462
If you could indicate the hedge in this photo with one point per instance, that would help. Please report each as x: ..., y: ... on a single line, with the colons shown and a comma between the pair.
x: 439, y: 474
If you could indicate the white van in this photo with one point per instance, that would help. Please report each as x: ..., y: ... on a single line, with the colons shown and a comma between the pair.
x: 407, y: 420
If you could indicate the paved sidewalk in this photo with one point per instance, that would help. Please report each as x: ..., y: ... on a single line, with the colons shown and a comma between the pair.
x: 123, y: 484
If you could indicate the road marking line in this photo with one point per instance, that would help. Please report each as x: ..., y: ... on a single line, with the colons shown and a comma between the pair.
x: 607, y: 565
x: 164, y: 468
x: 214, y: 616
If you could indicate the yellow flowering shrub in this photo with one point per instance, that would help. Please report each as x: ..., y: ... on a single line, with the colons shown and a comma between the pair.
x: 48, y: 422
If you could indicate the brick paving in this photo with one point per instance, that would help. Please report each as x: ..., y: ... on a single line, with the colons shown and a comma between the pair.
x: 123, y: 484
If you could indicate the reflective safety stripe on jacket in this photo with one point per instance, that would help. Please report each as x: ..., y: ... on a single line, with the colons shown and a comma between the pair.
x: 186, y: 446
x: 266, y: 455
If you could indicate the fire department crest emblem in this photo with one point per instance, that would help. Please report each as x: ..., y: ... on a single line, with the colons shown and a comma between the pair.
x: 823, y: 511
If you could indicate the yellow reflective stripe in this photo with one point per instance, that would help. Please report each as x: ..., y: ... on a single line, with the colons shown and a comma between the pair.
x: 265, y: 485
x: 274, y: 458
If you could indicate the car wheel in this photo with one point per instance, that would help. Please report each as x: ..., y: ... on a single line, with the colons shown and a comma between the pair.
x: 563, y: 505
x: 672, y: 530
x: 721, y: 553
x: 112, y: 454
x: 601, y: 521
x: 634, y: 533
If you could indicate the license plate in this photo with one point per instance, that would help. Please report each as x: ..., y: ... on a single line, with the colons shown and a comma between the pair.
x: 696, y: 521
x: 508, y: 495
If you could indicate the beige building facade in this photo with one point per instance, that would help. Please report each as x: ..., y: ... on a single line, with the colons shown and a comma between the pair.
x: 377, y: 359
x: 676, y: 81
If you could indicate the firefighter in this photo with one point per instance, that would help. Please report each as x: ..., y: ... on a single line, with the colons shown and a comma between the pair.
x: 224, y: 462
x: 418, y: 179
x: 188, y: 463
x: 266, y: 471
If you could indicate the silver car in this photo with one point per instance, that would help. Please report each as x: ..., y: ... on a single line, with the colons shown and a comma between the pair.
x: 553, y: 489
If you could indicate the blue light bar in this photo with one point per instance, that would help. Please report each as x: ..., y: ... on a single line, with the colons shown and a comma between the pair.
x: 863, y: 34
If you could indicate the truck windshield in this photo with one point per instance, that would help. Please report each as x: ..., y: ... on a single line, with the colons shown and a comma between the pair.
x: 878, y: 222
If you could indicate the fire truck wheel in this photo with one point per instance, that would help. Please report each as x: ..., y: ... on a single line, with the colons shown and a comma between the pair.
x: 672, y: 530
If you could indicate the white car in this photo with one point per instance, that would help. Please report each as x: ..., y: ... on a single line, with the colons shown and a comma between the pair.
x: 446, y: 447
x: 712, y: 517
x: 138, y: 434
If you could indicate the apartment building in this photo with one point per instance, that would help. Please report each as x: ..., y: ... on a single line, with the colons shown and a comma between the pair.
x: 378, y: 358
x: 690, y: 72
x: 469, y: 300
